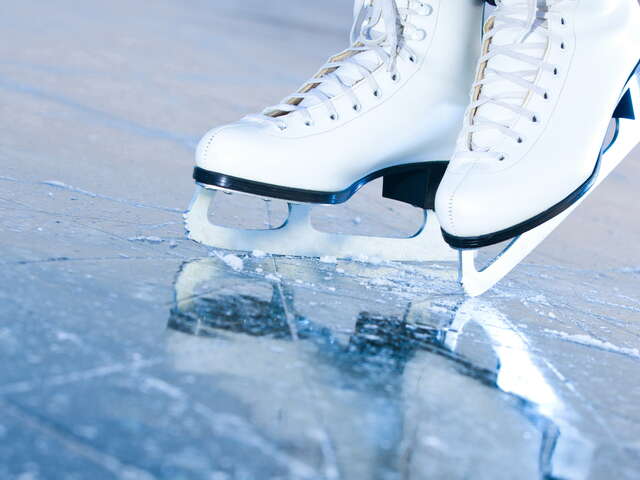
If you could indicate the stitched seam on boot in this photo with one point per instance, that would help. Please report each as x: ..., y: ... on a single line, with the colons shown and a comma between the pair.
x: 206, y: 148
x: 451, y: 199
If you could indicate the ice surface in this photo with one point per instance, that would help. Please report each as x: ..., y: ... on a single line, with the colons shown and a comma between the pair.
x: 127, y: 351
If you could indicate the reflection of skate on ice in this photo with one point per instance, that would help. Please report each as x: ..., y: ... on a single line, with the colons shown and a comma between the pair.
x: 413, y: 391
x: 480, y: 341
x: 389, y: 106
x: 549, y: 83
x: 246, y: 341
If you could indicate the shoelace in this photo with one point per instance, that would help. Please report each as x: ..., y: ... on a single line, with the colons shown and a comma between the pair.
x: 524, y: 16
x: 387, y: 44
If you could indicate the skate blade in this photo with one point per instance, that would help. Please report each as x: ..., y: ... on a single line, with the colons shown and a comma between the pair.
x: 297, y: 237
x: 477, y: 281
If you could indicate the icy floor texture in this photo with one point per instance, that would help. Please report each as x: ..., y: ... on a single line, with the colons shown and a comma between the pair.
x: 129, y: 352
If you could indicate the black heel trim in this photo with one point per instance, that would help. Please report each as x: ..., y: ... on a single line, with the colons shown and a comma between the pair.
x: 399, y: 172
x: 625, y: 107
x: 417, y: 188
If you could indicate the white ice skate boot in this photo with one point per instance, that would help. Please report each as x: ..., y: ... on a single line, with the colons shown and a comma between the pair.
x: 552, y: 75
x: 389, y: 106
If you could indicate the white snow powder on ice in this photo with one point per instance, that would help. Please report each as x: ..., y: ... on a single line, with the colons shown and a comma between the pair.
x: 328, y: 259
x: 234, y: 261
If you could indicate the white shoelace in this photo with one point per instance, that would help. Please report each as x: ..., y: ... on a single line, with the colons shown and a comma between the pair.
x: 496, y: 107
x: 379, y: 27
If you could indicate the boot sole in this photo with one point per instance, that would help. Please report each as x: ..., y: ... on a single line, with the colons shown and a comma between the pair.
x: 413, y: 183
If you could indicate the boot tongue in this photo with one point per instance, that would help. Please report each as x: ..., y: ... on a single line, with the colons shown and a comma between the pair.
x: 508, y: 91
x: 349, y: 74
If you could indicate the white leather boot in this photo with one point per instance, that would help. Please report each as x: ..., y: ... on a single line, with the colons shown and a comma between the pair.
x: 388, y: 106
x: 552, y: 75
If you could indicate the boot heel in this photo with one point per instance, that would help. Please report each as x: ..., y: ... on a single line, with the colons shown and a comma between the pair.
x: 416, y: 186
x: 628, y: 105
x: 625, y: 107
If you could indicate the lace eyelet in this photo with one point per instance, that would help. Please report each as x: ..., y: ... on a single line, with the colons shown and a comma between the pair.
x: 333, y: 117
x: 412, y: 59
x: 563, y: 22
x: 562, y: 46
x: 419, y: 35
x: 395, y: 77
x: 357, y: 108
x: 376, y: 93
x: 534, y: 119
x: 424, y: 9
x: 520, y: 140
x: 502, y: 158
x: 308, y: 123
x: 555, y: 71
x: 546, y: 96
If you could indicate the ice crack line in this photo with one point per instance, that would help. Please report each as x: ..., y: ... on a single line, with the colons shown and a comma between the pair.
x: 87, y: 259
x: 71, y: 188
x: 78, y: 376
x: 591, y: 342
x: 100, y: 116
x: 327, y: 444
x: 79, y: 447
x: 230, y: 426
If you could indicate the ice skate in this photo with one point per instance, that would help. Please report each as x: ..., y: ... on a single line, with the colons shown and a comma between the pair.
x: 553, y: 77
x: 389, y: 106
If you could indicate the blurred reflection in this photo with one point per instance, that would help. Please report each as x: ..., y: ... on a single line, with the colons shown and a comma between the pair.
x: 440, y: 389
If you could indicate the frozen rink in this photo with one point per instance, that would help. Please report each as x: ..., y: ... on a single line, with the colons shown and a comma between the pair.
x: 129, y: 352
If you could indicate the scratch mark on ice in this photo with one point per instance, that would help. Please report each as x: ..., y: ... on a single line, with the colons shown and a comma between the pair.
x: 98, y: 116
x: 74, y: 377
x: 589, y: 341
x: 133, y: 203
